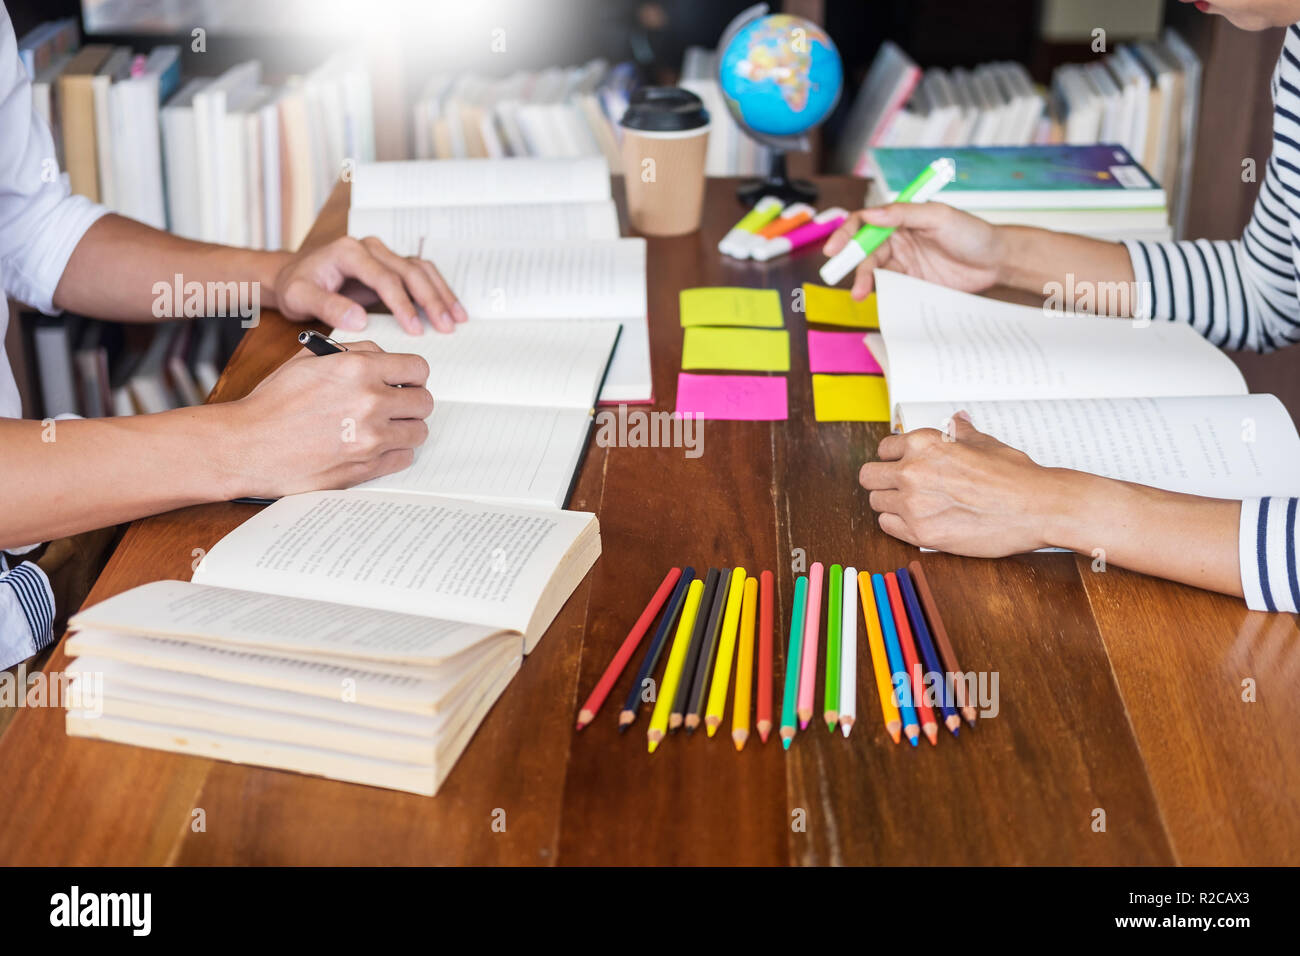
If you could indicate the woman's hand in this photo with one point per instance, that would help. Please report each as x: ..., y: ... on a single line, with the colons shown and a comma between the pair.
x: 328, y: 421
x: 932, y: 241
x: 964, y: 492
x: 334, y: 282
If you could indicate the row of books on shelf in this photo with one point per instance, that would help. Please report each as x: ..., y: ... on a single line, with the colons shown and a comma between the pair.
x: 81, y: 366
x: 230, y: 159
x: 1142, y: 96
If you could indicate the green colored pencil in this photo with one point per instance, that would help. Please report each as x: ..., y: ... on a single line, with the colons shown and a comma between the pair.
x: 792, y: 657
x: 835, y: 611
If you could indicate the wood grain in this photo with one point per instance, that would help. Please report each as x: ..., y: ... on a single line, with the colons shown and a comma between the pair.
x: 1117, y: 692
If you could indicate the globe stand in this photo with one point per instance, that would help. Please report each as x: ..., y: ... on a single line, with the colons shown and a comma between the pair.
x: 778, y: 183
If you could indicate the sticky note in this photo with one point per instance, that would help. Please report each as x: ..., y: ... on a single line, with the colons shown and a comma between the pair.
x: 739, y: 350
x: 729, y: 305
x: 823, y: 305
x: 850, y: 398
x: 754, y: 398
x: 840, y: 352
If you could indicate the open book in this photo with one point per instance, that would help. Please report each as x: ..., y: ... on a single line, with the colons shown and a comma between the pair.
x: 358, y: 635
x: 1153, y: 403
x: 513, y: 403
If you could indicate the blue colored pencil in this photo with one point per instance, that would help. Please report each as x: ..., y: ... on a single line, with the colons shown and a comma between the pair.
x: 894, y: 651
x: 674, y: 607
x: 928, y: 654
x: 792, y: 657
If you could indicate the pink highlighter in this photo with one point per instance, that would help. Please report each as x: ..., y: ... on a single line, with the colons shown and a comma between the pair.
x: 821, y: 226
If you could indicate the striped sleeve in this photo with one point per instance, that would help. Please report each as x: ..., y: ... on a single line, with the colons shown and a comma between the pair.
x: 26, y: 613
x: 1268, y: 544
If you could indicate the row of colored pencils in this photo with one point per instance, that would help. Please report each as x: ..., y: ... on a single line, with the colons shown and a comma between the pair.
x: 719, y: 618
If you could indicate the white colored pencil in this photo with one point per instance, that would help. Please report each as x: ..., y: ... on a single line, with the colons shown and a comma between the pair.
x: 849, y: 652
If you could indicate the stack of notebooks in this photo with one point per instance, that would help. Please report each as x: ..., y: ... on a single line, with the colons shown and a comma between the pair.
x: 1142, y: 96
x: 1098, y: 191
x: 517, y: 239
x: 1155, y: 404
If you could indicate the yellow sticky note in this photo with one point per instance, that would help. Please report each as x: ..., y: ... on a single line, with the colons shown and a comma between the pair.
x: 748, y: 350
x: 850, y: 398
x: 823, y: 305
x: 728, y: 305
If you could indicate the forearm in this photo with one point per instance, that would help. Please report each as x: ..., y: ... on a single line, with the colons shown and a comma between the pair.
x: 1034, y: 258
x: 71, y: 476
x: 114, y: 269
x: 1181, y: 537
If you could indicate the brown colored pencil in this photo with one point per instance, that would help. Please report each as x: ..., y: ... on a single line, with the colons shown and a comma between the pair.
x: 940, y: 634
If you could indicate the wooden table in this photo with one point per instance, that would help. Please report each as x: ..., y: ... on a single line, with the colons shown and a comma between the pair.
x: 1118, y: 692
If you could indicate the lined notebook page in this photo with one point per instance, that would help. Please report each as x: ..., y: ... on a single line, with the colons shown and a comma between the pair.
x: 514, y: 454
x: 471, y: 182
x: 509, y: 362
x: 402, y: 228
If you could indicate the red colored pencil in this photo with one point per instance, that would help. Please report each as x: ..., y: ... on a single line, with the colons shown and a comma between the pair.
x: 929, y: 725
x: 765, y: 613
x: 615, y: 668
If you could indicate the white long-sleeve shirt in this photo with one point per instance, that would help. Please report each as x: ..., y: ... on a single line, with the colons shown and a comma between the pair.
x: 40, y: 225
x: 1245, y: 294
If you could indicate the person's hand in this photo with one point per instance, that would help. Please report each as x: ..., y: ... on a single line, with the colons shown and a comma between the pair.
x: 963, y: 492
x: 329, y: 421
x: 335, y: 282
x: 931, y: 241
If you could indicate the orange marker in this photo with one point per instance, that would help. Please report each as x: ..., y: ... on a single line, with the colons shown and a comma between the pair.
x: 792, y: 216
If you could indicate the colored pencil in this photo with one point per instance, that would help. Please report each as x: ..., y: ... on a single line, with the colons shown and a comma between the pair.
x: 941, y: 639
x: 898, y: 681
x: 929, y: 656
x: 683, y: 691
x: 744, y: 665
x: 673, y: 671
x: 627, y: 649
x: 879, y: 662
x: 811, y: 632
x: 929, y: 723
x: 766, y: 623
x: 849, y: 652
x: 721, y: 683
x: 632, y: 705
x: 793, y: 657
x: 834, y: 607
x: 694, y: 712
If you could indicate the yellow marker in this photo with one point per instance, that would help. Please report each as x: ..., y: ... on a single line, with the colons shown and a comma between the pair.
x: 726, y: 651
x: 879, y: 662
x: 736, y: 242
x: 673, y: 672
x: 744, y: 666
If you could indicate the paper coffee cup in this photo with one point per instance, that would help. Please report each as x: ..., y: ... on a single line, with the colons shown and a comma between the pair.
x: 665, y: 139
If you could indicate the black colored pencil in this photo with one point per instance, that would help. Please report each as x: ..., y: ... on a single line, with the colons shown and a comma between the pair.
x: 693, y: 651
x: 671, y: 610
x: 704, y: 663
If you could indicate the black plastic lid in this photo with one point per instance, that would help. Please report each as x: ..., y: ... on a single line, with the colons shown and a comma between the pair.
x: 665, y: 109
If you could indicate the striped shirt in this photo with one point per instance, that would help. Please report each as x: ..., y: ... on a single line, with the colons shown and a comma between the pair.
x: 1245, y: 294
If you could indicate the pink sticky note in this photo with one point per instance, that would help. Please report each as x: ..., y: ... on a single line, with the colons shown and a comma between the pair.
x: 751, y: 398
x: 840, y: 352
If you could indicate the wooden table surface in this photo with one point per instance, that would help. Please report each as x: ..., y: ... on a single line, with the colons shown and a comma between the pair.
x: 1118, y: 692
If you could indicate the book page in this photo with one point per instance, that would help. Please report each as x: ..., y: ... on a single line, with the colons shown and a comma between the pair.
x: 558, y: 363
x: 416, y: 554
x: 513, y: 454
x: 402, y: 228
x: 948, y: 345
x: 472, y: 182
x: 1235, y: 446
x: 271, y: 622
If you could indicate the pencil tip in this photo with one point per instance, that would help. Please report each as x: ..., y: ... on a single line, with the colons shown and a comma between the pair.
x: 913, y: 741
x: 652, y: 745
x: 785, y: 742
x: 845, y: 728
x: 803, y: 723
x: 893, y: 732
x: 711, y: 729
x: 932, y: 734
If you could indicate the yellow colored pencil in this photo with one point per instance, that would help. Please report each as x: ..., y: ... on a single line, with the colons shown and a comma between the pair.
x: 726, y: 651
x: 673, y: 671
x: 879, y: 662
x: 745, y: 665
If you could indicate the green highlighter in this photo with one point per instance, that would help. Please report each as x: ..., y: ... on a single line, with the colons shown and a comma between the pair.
x: 868, y: 239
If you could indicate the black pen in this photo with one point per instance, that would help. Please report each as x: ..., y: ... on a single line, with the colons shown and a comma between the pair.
x: 320, y: 344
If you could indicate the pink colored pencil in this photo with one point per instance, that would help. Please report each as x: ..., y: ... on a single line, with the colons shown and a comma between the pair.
x: 808, y: 667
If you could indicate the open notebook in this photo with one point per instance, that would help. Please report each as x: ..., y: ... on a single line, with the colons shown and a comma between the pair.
x: 513, y: 403
x: 358, y: 635
x: 1153, y: 403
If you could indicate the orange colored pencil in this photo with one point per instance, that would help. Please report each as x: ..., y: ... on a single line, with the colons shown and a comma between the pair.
x: 929, y: 725
x: 765, y: 613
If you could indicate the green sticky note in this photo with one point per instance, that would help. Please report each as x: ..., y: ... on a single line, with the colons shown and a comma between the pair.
x: 727, y: 305
x: 850, y: 398
x: 740, y: 350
